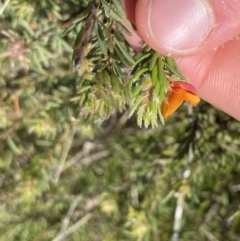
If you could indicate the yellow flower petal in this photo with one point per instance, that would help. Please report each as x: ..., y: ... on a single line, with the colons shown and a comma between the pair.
x: 191, y: 98
x: 174, y: 101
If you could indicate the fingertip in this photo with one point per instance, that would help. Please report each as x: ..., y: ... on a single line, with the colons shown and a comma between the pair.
x: 134, y: 38
x: 129, y: 6
x: 215, y: 75
x: 187, y: 27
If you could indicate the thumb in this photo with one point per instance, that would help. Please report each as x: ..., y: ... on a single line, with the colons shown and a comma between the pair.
x: 187, y: 27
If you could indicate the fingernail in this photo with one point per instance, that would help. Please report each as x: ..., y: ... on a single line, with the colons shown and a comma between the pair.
x: 180, y: 25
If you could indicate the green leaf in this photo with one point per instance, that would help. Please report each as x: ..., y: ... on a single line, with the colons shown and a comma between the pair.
x: 119, y: 7
x: 84, y: 89
x: 36, y: 60
x: 13, y: 146
x: 153, y: 60
x: 124, y: 52
x: 116, y: 85
x: 157, y: 92
x: 147, y: 117
x: 106, y: 77
x: 154, y: 115
x: 136, y: 77
x: 111, y: 13
x: 25, y: 24
x: 123, y: 28
x: 162, y: 79
x: 101, y: 39
x: 137, y: 90
x: 171, y: 64
x: 159, y: 110
x: 123, y: 59
x: 136, y: 104
x: 64, y: 89
x: 80, y: 37
x: 75, y: 20
x: 140, y: 114
x: 141, y: 57
x: 154, y: 74
x: 117, y: 70
x: 140, y: 60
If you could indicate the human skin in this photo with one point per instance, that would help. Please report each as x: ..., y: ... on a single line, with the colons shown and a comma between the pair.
x: 202, y: 37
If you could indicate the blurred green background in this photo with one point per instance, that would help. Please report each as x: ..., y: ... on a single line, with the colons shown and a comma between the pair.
x: 68, y: 175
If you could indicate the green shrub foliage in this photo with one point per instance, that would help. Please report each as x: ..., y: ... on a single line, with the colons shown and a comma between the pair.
x: 74, y: 165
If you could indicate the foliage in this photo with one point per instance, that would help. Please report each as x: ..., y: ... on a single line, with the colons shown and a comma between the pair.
x: 74, y: 166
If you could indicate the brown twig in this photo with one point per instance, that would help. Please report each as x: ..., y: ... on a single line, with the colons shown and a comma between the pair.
x: 91, y: 204
x: 86, y: 161
x: 79, y: 53
x: 70, y: 213
x: 74, y: 227
x: 66, y: 148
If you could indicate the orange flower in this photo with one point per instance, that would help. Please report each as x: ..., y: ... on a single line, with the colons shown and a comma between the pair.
x: 181, y: 91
